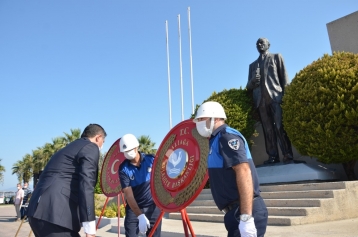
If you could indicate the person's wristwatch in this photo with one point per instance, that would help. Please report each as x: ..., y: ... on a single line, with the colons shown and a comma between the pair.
x: 245, y: 217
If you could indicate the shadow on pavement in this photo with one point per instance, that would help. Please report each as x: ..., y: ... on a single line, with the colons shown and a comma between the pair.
x: 8, y: 219
x: 163, y: 233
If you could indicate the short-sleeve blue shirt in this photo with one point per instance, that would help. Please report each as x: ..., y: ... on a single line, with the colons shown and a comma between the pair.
x: 138, y: 177
x: 227, y: 149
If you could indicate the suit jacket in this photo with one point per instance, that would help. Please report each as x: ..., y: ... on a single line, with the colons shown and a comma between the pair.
x: 274, y: 78
x: 64, y: 194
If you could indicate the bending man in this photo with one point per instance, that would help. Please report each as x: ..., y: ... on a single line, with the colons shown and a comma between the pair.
x: 134, y: 174
x: 63, y: 199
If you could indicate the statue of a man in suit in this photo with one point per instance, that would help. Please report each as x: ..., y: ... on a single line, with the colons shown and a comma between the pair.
x: 267, y: 80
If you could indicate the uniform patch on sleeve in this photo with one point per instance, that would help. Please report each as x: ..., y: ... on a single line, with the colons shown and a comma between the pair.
x: 234, y: 144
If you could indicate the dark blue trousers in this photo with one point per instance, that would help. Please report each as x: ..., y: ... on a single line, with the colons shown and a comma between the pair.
x: 46, y: 229
x: 131, y: 221
x: 259, y: 212
x: 23, y: 212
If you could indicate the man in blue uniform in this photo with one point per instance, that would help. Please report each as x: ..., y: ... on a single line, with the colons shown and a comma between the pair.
x: 134, y: 174
x: 232, y: 174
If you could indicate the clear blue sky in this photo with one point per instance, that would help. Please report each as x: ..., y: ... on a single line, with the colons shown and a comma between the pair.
x: 65, y: 64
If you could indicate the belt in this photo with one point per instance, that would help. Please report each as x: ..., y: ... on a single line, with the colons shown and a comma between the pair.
x: 233, y: 205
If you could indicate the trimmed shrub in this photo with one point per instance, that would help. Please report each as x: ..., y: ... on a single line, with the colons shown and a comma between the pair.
x: 97, y: 188
x: 110, y: 213
x: 320, y: 109
x: 123, y: 210
x: 97, y: 212
x: 99, y: 201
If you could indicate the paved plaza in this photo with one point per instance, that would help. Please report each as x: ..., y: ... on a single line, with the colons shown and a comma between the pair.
x: 174, y: 228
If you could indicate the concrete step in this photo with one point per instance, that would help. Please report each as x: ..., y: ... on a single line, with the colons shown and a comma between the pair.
x: 295, y: 220
x: 284, y: 220
x: 205, y: 196
x: 298, y: 194
x: 292, y: 211
x: 203, y: 203
x: 302, y: 187
x: 203, y: 210
x: 272, y: 220
x: 199, y: 217
x: 291, y: 204
x: 303, y: 202
x: 206, y: 191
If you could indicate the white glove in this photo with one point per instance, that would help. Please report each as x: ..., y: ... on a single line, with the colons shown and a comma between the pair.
x: 248, y: 228
x: 143, y: 223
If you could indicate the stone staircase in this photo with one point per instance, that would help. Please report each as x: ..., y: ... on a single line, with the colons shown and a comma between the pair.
x: 291, y: 204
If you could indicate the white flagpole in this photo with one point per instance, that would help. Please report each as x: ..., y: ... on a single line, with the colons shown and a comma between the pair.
x: 169, y: 95
x: 181, y: 72
x: 191, y: 65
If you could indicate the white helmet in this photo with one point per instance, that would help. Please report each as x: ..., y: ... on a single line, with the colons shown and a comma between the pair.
x: 128, y: 142
x: 210, y: 109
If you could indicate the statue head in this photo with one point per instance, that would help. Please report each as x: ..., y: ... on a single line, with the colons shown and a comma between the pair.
x: 262, y: 45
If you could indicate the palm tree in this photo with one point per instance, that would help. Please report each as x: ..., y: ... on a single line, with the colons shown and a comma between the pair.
x: 24, y: 168
x: 75, y: 134
x: 18, y: 169
x: 28, y: 167
x: 2, y: 170
x: 57, y: 144
x: 49, y: 149
x: 39, y: 158
x: 146, y: 145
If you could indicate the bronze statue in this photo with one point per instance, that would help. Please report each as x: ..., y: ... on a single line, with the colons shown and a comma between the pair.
x: 267, y: 80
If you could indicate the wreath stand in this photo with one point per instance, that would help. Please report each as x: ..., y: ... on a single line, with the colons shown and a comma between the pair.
x: 118, y: 211
x: 23, y: 220
x: 185, y: 219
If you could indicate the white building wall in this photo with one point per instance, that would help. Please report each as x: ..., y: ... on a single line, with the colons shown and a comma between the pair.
x: 343, y: 33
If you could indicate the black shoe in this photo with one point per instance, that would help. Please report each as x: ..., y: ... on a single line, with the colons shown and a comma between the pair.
x: 287, y: 159
x: 272, y: 160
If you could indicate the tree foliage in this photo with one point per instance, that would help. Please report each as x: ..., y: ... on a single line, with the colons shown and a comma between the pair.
x: 146, y: 145
x: 33, y: 163
x: 2, y: 170
x: 320, y: 109
x: 97, y: 188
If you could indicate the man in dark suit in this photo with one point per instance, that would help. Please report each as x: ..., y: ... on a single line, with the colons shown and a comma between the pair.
x: 64, y: 196
x: 267, y: 81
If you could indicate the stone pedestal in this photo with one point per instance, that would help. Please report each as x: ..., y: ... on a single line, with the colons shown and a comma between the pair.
x: 259, y: 155
x: 294, y: 173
